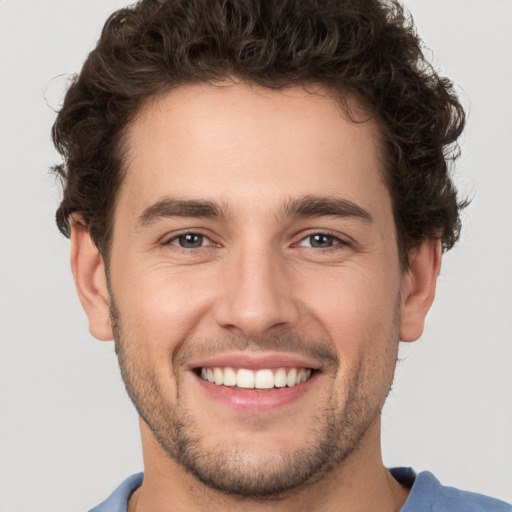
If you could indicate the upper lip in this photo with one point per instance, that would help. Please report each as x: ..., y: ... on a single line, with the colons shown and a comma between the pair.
x: 254, y: 361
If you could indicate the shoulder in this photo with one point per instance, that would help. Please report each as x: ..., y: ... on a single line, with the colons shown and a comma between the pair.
x: 118, y: 500
x: 429, y: 495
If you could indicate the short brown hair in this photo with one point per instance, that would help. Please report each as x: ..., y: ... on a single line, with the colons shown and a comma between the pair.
x: 367, y: 48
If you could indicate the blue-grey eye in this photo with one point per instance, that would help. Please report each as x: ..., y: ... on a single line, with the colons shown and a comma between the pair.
x: 190, y: 240
x: 321, y: 241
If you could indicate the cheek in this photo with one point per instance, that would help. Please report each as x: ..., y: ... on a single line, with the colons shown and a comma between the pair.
x: 162, y: 304
x: 357, y: 310
x: 360, y: 318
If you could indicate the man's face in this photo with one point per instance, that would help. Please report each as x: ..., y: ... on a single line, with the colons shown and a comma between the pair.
x: 254, y: 241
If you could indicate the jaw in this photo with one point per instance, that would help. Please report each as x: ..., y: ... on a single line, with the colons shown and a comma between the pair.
x: 323, y: 482
x: 248, y: 444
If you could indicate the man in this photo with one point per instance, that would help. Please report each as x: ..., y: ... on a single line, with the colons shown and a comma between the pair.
x: 257, y: 196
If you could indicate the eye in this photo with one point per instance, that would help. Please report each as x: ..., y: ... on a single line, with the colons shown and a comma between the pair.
x: 190, y: 241
x: 321, y: 241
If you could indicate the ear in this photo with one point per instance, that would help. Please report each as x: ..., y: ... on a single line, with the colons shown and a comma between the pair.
x: 419, y: 288
x: 90, y: 280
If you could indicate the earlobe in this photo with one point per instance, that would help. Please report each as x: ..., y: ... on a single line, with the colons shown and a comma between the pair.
x: 88, y: 270
x: 418, y: 288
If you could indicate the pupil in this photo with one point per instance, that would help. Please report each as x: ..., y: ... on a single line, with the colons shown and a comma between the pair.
x: 321, y: 241
x: 190, y: 241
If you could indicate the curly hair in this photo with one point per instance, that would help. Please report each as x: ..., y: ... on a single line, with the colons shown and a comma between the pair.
x: 365, y: 48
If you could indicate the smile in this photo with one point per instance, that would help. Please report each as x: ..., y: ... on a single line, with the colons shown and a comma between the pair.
x: 264, y: 378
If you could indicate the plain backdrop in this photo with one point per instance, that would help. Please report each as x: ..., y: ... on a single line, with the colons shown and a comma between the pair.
x: 69, y: 434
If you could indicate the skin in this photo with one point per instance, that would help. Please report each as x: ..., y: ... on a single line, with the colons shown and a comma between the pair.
x: 256, y: 287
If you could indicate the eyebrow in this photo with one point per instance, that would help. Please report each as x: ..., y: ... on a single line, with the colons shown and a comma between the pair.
x: 170, y: 207
x: 305, y: 206
x: 315, y: 206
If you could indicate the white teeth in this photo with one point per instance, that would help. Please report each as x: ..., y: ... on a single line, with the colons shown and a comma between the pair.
x: 291, y: 378
x: 280, y: 378
x: 218, y: 375
x: 245, y: 378
x: 264, y: 378
x: 229, y: 377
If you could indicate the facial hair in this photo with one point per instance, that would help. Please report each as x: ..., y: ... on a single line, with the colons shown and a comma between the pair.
x: 336, y: 430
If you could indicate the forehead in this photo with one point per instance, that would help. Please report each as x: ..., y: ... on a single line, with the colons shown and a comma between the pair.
x: 238, y: 143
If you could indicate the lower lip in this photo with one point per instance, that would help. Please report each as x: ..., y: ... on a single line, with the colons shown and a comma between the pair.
x: 255, y: 400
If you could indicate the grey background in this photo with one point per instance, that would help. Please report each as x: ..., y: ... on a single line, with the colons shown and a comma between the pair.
x: 68, y: 434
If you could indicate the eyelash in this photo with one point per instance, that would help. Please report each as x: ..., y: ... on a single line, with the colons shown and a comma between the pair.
x: 176, y: 238
x: 335, y: 240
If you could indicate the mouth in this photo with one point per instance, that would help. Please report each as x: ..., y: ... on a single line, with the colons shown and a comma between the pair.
x: 261, y: 379
x: 255, y: 383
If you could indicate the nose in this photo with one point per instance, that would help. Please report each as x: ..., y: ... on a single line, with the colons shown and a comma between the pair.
x: 257, y: 294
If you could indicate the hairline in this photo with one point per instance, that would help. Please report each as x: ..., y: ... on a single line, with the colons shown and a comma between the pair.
x: 349, y: 102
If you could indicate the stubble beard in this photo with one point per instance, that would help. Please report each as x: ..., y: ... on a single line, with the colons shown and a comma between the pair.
x: 335, y: 432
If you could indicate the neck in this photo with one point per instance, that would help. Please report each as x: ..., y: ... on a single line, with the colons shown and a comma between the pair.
x: 359, y: 483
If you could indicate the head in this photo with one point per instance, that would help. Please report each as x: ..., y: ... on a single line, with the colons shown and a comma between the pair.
x: 258, y: 186
x: 364, y: 50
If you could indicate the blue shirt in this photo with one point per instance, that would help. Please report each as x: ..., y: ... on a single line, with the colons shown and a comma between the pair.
x: 427, y: 495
